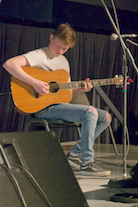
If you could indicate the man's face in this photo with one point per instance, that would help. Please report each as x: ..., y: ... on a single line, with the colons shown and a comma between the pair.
x: 57, y: 47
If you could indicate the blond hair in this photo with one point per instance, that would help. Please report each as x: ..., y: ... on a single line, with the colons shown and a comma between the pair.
x: 66, y: 33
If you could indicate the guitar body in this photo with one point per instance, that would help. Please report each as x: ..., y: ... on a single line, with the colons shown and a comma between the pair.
x: 24, y: 96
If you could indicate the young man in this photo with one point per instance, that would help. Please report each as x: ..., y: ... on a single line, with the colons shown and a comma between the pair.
x: 93, y: 120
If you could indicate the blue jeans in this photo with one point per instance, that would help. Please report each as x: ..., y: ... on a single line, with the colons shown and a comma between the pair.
x: 91, y: 127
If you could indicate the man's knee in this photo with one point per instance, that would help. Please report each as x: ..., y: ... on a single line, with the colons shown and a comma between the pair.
x: 93, y: 110
x: 108, y: 117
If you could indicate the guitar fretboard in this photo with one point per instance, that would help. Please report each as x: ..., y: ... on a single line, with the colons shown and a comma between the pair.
x: 79, y: 84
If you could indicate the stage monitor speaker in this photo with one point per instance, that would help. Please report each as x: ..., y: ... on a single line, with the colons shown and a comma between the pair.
x: 34, y: 172
x: 134, y: 172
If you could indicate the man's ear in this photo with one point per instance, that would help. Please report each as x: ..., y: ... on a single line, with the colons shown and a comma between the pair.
x: 51, y: 37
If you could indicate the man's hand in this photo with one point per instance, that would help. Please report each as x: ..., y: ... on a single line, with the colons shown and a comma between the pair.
x: 87, y: 86
x: 41, y: 87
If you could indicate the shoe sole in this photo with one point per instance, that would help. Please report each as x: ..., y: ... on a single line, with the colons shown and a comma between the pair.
x: 101, y: 174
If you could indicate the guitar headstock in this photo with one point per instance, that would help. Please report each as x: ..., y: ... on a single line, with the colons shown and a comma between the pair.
x: 119, y: 80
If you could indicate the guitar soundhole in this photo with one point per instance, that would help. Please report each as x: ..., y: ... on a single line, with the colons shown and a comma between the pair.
x: 54, y: 87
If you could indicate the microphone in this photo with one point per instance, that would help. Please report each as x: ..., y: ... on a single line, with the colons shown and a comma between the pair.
x: 114, y: 36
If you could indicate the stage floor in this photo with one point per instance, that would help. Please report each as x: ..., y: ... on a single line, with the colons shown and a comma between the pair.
x: 96, y: 189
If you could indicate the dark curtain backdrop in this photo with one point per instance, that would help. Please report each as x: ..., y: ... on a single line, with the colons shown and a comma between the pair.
x: 94, y: 56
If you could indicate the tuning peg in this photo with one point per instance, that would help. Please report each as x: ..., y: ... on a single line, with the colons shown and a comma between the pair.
x: 130, y: 80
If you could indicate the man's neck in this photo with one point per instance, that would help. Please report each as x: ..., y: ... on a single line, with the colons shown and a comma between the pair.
x: 49, y: 54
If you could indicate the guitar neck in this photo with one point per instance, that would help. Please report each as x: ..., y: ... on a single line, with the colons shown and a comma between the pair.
x: 79, y: 84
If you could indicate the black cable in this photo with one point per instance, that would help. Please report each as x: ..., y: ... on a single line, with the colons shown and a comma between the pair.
x: 31, y: 179
x: 16, y: 185
x: 35, y: 184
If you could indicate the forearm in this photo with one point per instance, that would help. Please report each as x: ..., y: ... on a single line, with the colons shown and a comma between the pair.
x: 14, y: 67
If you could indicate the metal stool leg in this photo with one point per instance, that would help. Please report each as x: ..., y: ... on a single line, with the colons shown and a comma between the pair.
x: 37, y: 121
x: 113, y: 140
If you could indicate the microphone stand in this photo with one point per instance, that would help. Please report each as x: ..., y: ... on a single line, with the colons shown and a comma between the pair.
x: 126, y: 56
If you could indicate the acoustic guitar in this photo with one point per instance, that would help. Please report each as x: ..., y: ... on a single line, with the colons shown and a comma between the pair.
x: 27, y: 100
